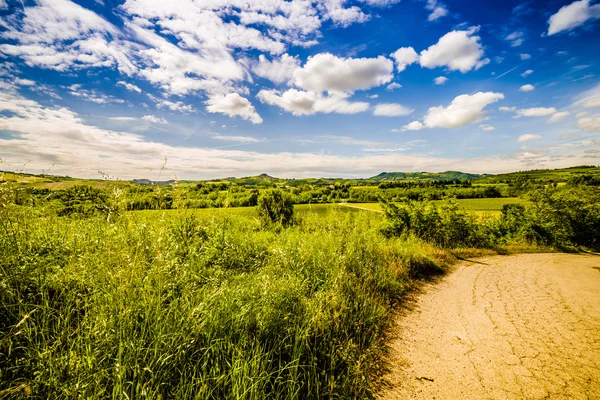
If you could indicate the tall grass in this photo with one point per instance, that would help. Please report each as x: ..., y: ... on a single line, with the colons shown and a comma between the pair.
x: 150, y: 306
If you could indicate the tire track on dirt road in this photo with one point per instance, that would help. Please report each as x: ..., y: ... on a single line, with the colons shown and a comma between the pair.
x: 506, y: 327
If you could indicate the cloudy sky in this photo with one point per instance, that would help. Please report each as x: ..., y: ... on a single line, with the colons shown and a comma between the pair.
x: 297, y: 88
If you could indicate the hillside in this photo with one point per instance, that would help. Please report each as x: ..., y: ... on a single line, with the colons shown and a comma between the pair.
x: 418, y: 176
x: 542, y: 175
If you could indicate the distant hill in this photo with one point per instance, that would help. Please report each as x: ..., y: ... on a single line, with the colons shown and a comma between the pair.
x: 426, y: 176
x: 542, y: 175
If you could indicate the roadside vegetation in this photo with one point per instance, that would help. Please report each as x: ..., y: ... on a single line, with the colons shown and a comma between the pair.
x: 276, y: 300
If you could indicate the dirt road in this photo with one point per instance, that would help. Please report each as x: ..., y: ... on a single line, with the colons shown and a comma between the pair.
x: 507, y: 327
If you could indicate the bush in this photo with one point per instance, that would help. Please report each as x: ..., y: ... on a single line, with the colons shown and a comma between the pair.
x: 449, y: 226
x: 276, y: 207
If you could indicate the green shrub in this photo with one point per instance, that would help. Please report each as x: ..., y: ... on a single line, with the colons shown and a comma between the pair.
x: 276, y: 207
x: 447, y: 226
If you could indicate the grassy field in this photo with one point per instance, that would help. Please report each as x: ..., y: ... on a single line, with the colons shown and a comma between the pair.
x: 217, y: 303
x: 477, y: 206
x: 202, y: 304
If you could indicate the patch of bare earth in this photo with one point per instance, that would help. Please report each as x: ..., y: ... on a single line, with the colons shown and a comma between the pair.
x: 504, y: 327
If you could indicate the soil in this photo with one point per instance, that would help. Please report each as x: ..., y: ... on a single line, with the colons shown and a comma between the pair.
x: 502, y: 327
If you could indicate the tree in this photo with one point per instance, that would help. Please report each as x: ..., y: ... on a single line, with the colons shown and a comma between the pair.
x: 276, y: 206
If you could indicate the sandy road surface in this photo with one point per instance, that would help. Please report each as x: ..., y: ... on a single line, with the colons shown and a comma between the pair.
x: 508, y: 327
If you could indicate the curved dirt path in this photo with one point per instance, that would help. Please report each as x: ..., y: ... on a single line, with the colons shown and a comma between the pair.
x: 505, y: 327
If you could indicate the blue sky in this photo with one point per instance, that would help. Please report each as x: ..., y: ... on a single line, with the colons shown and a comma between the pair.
x: 297, y: 88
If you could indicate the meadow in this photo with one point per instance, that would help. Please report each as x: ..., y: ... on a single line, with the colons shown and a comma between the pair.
x: 277, y: 300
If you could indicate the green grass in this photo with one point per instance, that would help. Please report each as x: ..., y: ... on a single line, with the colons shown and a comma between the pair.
x: 200, y: 304
x: 478, y: 206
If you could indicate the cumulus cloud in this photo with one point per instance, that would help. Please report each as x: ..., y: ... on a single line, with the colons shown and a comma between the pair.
x: 343, y: 16
x: 524, y: 56
x: 233, y: 104
x: 487, y: 128
x: 572, y: 16
x: 589, y: 124
x: 391, y: 110
x: 438, y: 10
x: 154, y: 119
x: 404, y: 57
x: 456, y: 50
x: 414, y: 126
x: 61, y: 35
x: 393, y: 86
x: 464, y: 110
x: 300, y: 102
x: 528, y: 137
x: 440, y: 80
x: 526, y: 88
x: 129, y: 86
x: 325, y: 72
x: 279, y: 70
x: 559, y: 116
x: 47, y: 135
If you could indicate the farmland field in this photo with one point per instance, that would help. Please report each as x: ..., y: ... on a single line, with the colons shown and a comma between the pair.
x: 479, y: 206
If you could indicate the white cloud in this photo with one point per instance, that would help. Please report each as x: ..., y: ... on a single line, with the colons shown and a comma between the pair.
x: 125, y: 119
x: 239, y: 139
x: 172, y: 105
x: 527, y: 73
x: 3, y: 4
x: 438, y: 10
x: 373, y: 96
x: 300, y: 102
x: 457, y: 50
x: 340, y: 15
x: 380, y: 3
x: 440, y: 80
x: 582, y: 114
x: 325, y: 72
x: 279, y: 70
x: 487, y: 128
x: 391, y: 110
x: 515, y: 38
x: 233, y: 105
x: 524, y: 56
x: 393, y: 86
x: 129, y: 86
x: 588, y: 99
x: 526, y: 88
x: 464, y: 110
x: 535, y: 112
x: 507, y: 109
x: 589, y: 124
x: 559, y: 116
x: 61, y: 35
x: 154, y: 119
x: 414, y: 126
x: 404, y: 57
x: 573, y: 15
x: 528, y: 137
x: 46, y: 135
x: 590, y: 103
x: 92, y: 96
x: 24, y: 82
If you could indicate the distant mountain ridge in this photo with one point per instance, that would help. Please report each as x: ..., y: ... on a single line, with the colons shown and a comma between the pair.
x: 419, y: 176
